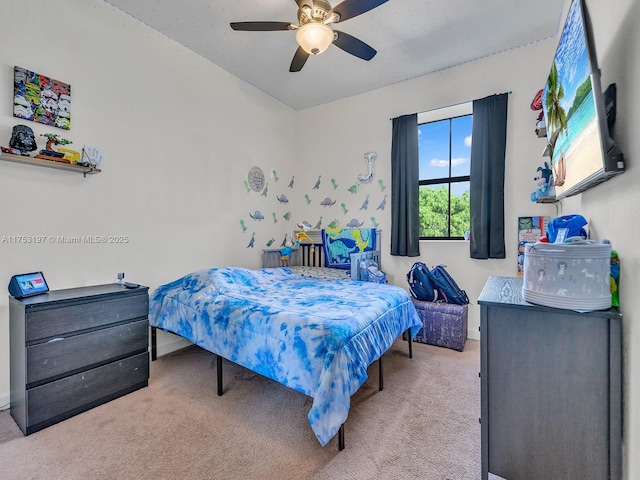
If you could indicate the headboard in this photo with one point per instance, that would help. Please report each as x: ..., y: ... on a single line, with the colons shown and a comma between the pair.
x: 339, y: 243
x: 306, y: 254
x: 310, y: 253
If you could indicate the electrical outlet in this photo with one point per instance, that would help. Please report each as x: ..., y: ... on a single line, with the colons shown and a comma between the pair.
x: 121, y: 276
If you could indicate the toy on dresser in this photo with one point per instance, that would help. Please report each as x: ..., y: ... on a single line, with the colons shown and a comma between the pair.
x: 568, y: 270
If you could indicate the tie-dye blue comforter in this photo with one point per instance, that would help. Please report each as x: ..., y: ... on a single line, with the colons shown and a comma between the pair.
x: 315, y: 336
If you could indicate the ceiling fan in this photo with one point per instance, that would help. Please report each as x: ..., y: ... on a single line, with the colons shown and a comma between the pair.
x: 313, y: 31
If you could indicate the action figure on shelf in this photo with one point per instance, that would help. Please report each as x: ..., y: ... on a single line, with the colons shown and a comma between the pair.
x: 49, y: 153
x: 23, y: 139
x: 544, y: 183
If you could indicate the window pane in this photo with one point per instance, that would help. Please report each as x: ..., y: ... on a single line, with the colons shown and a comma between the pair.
x: 461, y: 146
x: 433, y: 145
x: 434, y: 210
x: 460, y: 216
x: 444, y: 154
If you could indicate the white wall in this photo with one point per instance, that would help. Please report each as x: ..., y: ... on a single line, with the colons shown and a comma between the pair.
x: 359, y: 124
x: 610, y: 207
x: 179, y: 136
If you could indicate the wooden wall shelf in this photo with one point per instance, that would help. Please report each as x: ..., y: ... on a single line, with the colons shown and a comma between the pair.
x: 48, y: 163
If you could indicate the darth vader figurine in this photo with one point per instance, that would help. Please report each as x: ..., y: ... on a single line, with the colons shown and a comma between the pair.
x: 23, y: 139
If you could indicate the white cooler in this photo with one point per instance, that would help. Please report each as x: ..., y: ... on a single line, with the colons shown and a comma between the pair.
x: 573, y: 276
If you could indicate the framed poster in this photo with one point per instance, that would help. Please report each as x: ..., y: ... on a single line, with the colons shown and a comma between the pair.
x: 41, y: 99
x: 530, y: 229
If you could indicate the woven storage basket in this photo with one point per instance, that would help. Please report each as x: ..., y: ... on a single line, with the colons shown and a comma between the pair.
x: 573, y: 276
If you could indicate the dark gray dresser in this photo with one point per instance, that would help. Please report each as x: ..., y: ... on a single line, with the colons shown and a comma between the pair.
x: 551, y: 388
x: 74, y: 349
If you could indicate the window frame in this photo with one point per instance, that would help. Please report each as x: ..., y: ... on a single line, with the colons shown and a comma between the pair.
x: 446, y: 113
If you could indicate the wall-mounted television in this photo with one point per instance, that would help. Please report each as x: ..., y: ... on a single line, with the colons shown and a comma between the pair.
x: 583, y: 154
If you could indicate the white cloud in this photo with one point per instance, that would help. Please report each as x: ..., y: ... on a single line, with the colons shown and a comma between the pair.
x: 445, y: 163
x: 439, y: 163
x: 467, y: 141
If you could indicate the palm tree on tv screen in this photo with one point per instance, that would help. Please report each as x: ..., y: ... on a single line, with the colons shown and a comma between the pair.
x: 557, y: 122
x: 556, y: 116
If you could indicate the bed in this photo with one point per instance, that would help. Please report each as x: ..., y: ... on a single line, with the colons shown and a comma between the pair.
x: 313, y: 335
x: 331, y: 254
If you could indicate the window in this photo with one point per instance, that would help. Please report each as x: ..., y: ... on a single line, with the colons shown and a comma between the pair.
x: 445, y: 166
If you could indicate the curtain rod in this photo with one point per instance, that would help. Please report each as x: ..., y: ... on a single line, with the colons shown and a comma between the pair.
x: 448, y: 106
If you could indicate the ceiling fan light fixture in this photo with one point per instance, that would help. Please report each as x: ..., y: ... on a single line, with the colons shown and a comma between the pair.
x: 314, y: 38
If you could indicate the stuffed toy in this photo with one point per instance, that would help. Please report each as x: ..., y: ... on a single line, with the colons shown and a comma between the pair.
x: 544, y: 182
x: 285, y: 253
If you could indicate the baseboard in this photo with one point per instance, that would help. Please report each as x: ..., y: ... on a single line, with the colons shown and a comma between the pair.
x: 4, y: 402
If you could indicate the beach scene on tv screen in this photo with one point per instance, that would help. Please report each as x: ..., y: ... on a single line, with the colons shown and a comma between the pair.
x: 569, y: 108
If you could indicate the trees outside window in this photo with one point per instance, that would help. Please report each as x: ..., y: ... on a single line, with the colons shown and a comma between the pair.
x: 445, y: 163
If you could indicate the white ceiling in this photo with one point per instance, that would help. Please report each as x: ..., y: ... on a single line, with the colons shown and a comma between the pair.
x: 412, y: 37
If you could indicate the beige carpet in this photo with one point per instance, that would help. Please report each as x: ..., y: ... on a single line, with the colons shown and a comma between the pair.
x: 423, y: 425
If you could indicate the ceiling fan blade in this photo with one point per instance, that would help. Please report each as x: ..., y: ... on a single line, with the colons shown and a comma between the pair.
x: 353, y: 46
x: 352, y: 8
x: 260, y: 26
x: 299, y: 59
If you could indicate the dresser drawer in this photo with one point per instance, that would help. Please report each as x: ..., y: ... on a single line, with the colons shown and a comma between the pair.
x: 57, y: 322
x: 64, y: 355
x: 68, y: 396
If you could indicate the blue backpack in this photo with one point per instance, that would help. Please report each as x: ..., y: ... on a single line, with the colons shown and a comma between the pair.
x: 421, y: 283
x: 448, y: 289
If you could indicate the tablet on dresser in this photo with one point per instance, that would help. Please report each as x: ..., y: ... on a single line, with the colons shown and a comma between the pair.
x: 27, y: 284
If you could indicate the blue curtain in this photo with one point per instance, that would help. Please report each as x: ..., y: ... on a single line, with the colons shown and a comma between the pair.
x: 486, y: 191
x: 405, y: 197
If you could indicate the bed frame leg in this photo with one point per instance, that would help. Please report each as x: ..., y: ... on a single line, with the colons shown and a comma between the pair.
x: 380, y: 379
x: 341, y: 438
x: 154, y: 344
x: 219, y: 373
x: 409, y: 340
